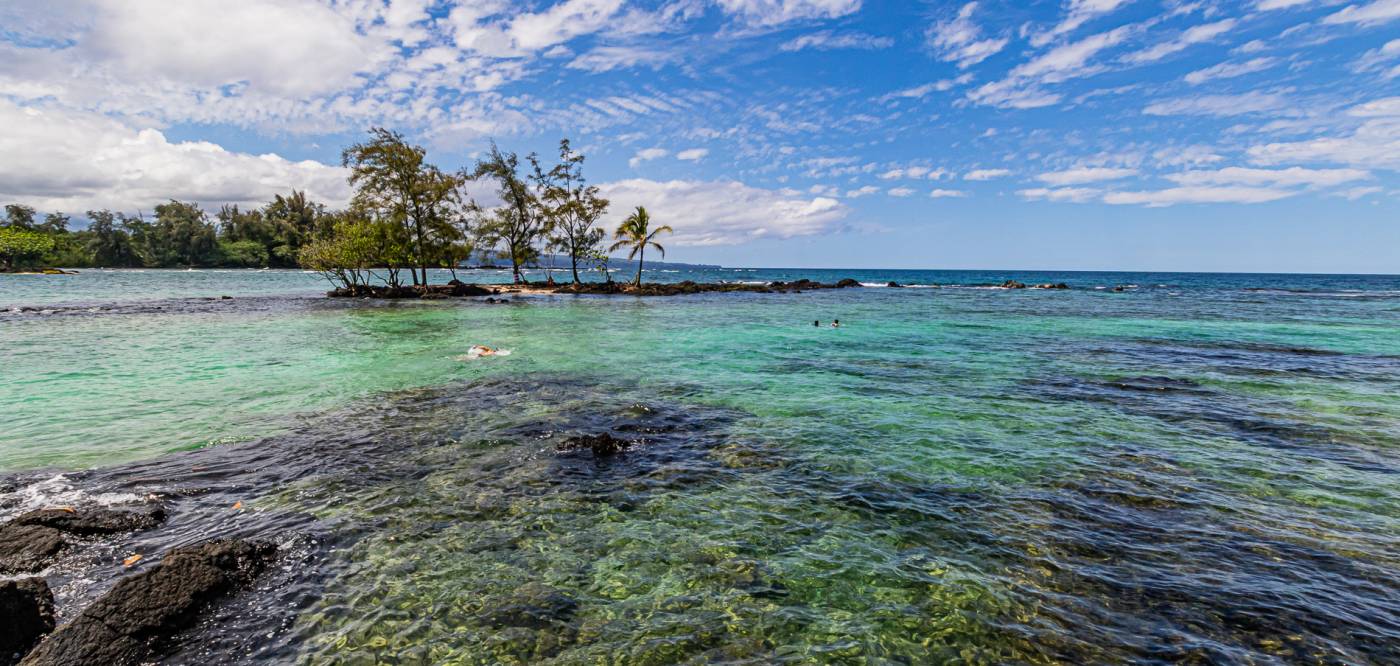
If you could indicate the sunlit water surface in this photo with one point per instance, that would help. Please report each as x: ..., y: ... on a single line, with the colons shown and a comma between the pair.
x: 1199, y: 467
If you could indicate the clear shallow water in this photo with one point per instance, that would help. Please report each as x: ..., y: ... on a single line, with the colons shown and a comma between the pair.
x: 1202, y: 466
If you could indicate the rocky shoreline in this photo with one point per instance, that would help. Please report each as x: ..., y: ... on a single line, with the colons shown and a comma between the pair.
x: 458, y: 289
x: 134, y: 620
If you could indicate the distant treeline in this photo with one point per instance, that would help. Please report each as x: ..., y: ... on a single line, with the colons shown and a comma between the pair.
x: 180, y: 234
x: 406, y: 216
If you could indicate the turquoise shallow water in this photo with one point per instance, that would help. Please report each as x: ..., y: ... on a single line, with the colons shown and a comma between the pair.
x: 1197, y: 467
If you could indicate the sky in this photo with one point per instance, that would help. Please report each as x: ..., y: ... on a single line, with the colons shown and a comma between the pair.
x: 1260, y: 135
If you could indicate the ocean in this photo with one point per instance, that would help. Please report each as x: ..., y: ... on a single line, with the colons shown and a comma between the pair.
x: 1195, y: 467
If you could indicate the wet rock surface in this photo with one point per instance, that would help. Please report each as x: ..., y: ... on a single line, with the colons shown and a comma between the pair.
x: 690, y: 287
x: 604, y: 444
x: 26, y: 616
x: 137, y: 618
x: 33, y: 540
x: 455, y: 288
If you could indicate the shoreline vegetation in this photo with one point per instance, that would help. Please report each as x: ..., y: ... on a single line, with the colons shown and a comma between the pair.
x: 406, y: 216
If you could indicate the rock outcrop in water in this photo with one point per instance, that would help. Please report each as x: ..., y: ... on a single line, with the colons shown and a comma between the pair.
x: 33, y: 540
x: 601, y: 445
x: 459, y: 289
x: 452, y: 289
x: 133, y: 622
x: 26, y: 616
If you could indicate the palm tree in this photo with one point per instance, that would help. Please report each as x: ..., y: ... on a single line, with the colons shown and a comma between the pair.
x: 635, y: 233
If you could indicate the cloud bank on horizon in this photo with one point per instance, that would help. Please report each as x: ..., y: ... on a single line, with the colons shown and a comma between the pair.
x: 745, y: 119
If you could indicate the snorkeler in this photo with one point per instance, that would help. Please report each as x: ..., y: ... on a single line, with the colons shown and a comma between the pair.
x: 817, y: 323
x: 481, y: 350
x: 836, y: 323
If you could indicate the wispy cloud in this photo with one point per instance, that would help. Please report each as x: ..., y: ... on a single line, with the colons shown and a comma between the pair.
x: 1081, y: 175
x: 646, y: 155
x: 827, y: 40
x: 1368, y: 14
x: 1229, y: 70
x: 1196, y: 35
x: 1218, y: 105
x: 960, y: 40
x: 986, y: 174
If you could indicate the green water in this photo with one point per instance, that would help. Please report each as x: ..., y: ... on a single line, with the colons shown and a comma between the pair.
x: 1186, y: 470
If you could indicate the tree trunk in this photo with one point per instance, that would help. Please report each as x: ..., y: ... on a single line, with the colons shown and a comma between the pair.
x: 641, y: 257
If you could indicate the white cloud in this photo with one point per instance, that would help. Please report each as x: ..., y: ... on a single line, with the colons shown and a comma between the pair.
x: 1290, y: 177
x: 526, y: 33
x: 1270, y: 5
x: 959, y: 40
x: 1186, y: 156
x: 919, y: 92
x: 608, y: 58
x: 827, y: 40
x: 900, y: 192
x: 646, y: 155
x: 1196, y: 35
x: 862, y: 192
x: 986, y: 174
x: 940, y: 193
x: 693, y: 154
x: 75, y: 161
x: 1199, y: 195
x: 1070, y: 194
x: 1079, y: 12
x: 281, y: 48
x: 1227, y: 70
x: 1218, y: 105
x: 915, y: 173
x: 1081, y: 175
x: 764, y: 13
x: 1375, y: 143
x: 1360, y: 192
x: 1070, y: 60
x: 1373, y: 13
x: 724, y: 212
x: 1381, y: 58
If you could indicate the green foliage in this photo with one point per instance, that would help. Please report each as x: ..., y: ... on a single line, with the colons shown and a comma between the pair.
x: 20, y: 246
x: 635, y: 233
x: 394, y: 184
x: 242, y: 254
x: 355, y: 246
x: 19, y: 216
x: 571, y: 206
x: 521, y: 220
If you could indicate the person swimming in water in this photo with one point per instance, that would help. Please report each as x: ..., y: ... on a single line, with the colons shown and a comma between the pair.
x: 836, y: 323
x: 817, y: 323
x: 481, y: 350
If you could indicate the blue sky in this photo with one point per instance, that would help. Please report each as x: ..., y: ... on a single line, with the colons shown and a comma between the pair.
x: 1261, y: 135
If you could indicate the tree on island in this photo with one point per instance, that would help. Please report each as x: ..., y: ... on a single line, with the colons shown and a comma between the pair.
x: 636, y: 233
x: 573, y: 206
x: 521, y: 220
x: 394, y: 183
x: 18, y: 246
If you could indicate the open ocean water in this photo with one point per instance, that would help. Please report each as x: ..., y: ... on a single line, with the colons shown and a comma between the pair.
x: 1199, y: 468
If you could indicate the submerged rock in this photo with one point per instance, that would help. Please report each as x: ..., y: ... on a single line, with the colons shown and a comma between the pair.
x: 27, y: 608
x: 894, y: 285
x: 33, y: 540
x: 604, y: 444
x: 1051, y: 285
x: 136, y: 619
x: 1012, y: 284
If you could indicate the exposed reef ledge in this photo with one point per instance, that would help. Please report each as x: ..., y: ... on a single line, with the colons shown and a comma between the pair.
x: 459, y: 289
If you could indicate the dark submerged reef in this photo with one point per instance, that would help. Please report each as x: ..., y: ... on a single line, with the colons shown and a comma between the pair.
x: 565, y: 519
